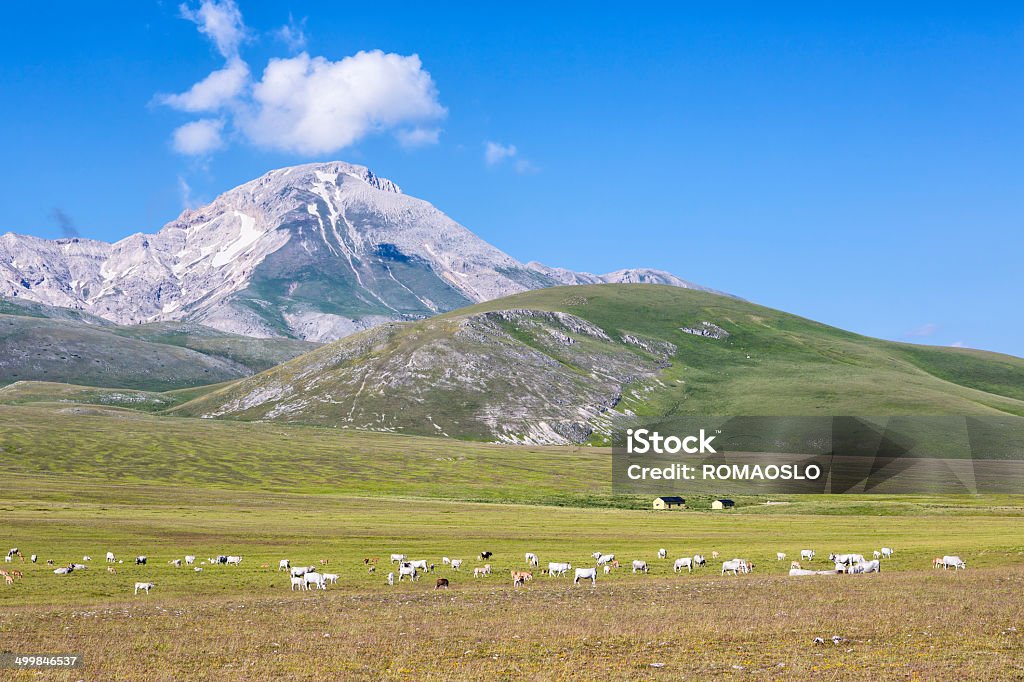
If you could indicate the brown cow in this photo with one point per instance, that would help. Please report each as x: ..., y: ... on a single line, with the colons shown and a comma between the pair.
x: 795, y: 564
x: 441, y: 582
x: 520, y: 578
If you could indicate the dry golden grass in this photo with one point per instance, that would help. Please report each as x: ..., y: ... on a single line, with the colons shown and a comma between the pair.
x: 961, y: 626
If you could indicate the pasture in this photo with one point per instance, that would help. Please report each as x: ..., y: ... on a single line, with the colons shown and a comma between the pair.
x: 134, y: 484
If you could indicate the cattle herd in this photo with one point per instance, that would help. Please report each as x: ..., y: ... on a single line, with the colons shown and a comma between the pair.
x: 403, y: 568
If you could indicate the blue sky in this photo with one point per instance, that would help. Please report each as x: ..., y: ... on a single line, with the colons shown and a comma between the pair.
x: 862, y: 166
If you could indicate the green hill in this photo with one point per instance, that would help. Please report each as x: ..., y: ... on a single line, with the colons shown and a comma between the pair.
x: 39, y: 343
x: 567, y: 364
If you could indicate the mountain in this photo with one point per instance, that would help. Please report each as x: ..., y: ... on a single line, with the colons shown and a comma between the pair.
x: 565, y: 365
x: 42, y: 343
x: 312, y: 252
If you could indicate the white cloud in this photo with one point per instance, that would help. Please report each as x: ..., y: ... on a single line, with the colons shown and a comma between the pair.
x: 958, y: 344
x: 303, y: 104
x: 293, y: 34
x: 495, y: 153
x: 199, y: 137
x: 214, y: 91
x: 525, y: 167
x: 220, y: 21
x: 925, y: 330
x: 418, y: 137
x: 314, y: 106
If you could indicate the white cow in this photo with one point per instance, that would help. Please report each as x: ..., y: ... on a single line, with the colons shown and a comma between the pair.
x: 284, y: 564
x: 420, y: 564
x: 404, y: 570
x: 557, y: 568
x: 698, y: 560
x: 780, y: 556
x: 876, y: 554
x: 175, y: 562
x: 391, y: 578
x: 733, y: 566
x: 314, y: 578
x: 456, y: 564
x: 299, y: 582
x: 873, y: 566
x: 597, y: 555
x: 585, y: 574
x: 144, y: 586
x: 607, y: 569
x: 662, y: 553
x: 639, y: 565
x: 190, y: 559
x: 531, y: 559
x: 34, y: 557
x: 397, y: 558
x: 110, y: 557
x: 954, y: 562
x: 846, y: 559
x: 302, y: 570
x: 605, y: 559
x: 332, y: 578
x: 807, y: 554
x: 887, y: 552
x: 87, y: 558
x: 64, y: 570
x: 234, y: 560
x: 445, y: 560
x: 681, y: 563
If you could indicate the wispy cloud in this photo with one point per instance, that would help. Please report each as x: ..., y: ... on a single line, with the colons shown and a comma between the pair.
x: 220, y: 21
x: 496, y: 153
x: 305, y: 104
x: 924, y: 331
x: 293, y: 34
x: 199, y: 138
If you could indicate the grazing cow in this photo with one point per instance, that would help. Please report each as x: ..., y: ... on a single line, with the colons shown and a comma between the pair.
x: 87, y: 558
x: 78, y: 567
x: 284, y: 564
x: 144, y: 586
x: 887, y: 552
x: 532, y: 560
x: 8, y: 579
x: 420, y: 564
x: 110, y: 557
x: 876, y: 554
x: 299, y: 571
x: 299, y: 582
x: 936, y: 562
x: 607, y: 569
x: 954, y: 562
x: 332, y: 578
x: 681, y: 563
x: 190, y: 559
x: 111, y: 569
x: 221, y: 559
x: 585, y: 574
x: 733, y: 566
x: 456, y: 564
x: 794, y: 564
x: 698, y: 560
x: 17, y: 574
x: 478, y: 572
x: 324, y: 562
x: 604, y: 559
x: 314, y: 578
x: 662, y: 553
x: 807, y: 554
x: 371, y: 569
x: 873, y: 566
x: 639, y: 565
x: 34, y: 557
x: 780, y: 556
x: 8, y: 558
x: 175, y: 562
x: 445, y: 560
x: 49, y: 562
x: 714, y: 555
x: 846, y: 559
x: 140, y: 560
x: 441, y: 582
x: 233, y: 560
x: 597, y: 555
x: 520, y: 578
x: 406, y: 570
x: 397, y: 558
x: 391, y: 578
x: 484, y: 556
x: 558, y: 568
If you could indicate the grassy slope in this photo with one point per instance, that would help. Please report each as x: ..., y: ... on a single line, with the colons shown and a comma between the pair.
x: 54, y: 345
x: 772, y: 363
